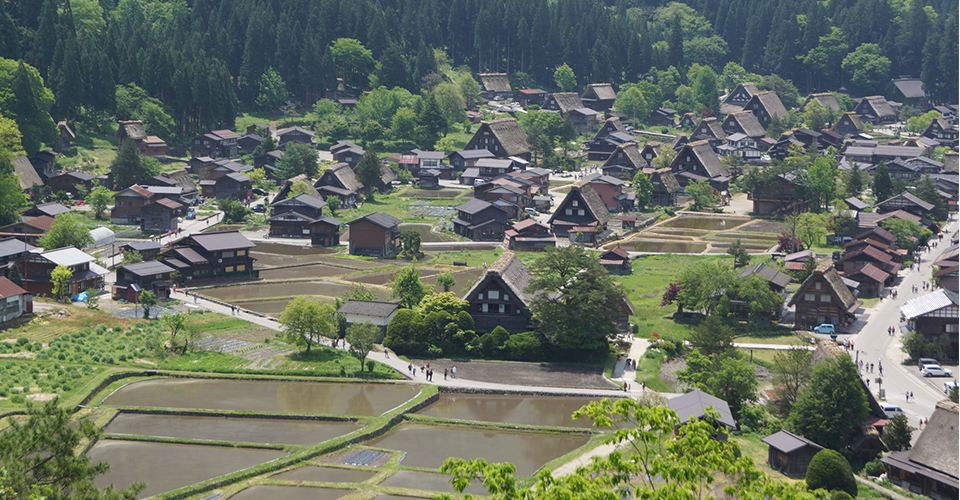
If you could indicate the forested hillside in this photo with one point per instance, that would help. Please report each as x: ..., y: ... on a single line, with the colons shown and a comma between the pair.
x: 202, y: 59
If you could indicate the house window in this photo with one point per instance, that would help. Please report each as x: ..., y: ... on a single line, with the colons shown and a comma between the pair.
x: 950, y: 328
x: 580, y: 212
x: 816, y: 285
x: 824, y: 298
x: 576, y: 203
x: 493, y: 295
x: 486, y: 308
x: 809, y: 297
x: 568, y: 211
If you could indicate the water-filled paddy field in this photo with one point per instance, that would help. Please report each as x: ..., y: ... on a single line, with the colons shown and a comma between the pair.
x: 510, y: 408
x: 225, y: 428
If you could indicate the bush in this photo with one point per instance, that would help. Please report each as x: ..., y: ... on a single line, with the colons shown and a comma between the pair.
x: 830, y: 471
x: 18, y: 399
x: 524, y: 347
x: 874, y: 467
x: 840, y: 495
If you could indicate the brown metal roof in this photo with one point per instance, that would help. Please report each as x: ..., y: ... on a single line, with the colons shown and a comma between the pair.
x: 9, y: 288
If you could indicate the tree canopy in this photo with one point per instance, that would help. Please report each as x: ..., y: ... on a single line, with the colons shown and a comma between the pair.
x: 66, y: 231
x: 831, y: 404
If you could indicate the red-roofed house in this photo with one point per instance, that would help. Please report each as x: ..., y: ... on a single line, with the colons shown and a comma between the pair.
x: 127, y: 204
x: 15, y: 300
x: 530, y: 236
x: 871, y: 279
x: 616, y: 261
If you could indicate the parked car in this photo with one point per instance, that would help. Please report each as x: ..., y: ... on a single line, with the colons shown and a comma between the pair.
x: 259, y: 209
x: 927, y: 361
x: 259, y: 192
x: 891, y: 410
x: 935, y: 371
x: 532, y: 211
x: 949, y: 386
x: 826, y: 328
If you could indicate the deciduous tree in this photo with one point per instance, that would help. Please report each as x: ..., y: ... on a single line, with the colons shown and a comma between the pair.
x: 66, y: 231
x: 361, y: 337
x: 147, y: 299
x: 831, y: 405
x: 446, y: 280
x: 369, y: 171
x: 791, y: 372
x: 740, y: 256
x: 703, y: 195
x: 298, y: 159
x: 898, y: 433
x: 306, y: 322
x: 60, y: 277
x: 131, y: 257
x: 643, y: 189
x: 129, y: 168
x: 406, y: 286
x: 99, y: 199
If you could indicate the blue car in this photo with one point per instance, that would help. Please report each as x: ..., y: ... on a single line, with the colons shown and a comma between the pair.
x: 826, y: 328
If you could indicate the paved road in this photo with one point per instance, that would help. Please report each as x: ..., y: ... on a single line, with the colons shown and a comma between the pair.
x: 874, y: 344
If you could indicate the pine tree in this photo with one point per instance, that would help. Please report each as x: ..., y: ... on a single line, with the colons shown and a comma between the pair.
x: 949, y: 90
x: 393, y: 70
x: 41, y: 54
x: 430, y: 122
x: 882, y: 185
x: 369, y: 170
x: 15, y: 276
x: 34, y: 123
x: 9, y: 44
x: 675, y: 42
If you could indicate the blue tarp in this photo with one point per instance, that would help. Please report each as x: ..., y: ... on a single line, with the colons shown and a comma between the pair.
x: 81, y: 297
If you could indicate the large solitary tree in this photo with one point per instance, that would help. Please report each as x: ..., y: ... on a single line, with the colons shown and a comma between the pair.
x: 575, y: 300
x: 829, y: 407
x: 129, y: 168
x: 306, y: 322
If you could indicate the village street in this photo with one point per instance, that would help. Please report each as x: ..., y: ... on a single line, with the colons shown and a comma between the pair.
x: 873, y: 344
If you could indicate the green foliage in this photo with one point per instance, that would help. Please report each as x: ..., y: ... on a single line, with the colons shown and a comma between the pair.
x: 134, y: 103
x: 352, y: 60
x: 411, y: 242
x: 430, y: 122
x: 273, y: 90
x: 13, y: 274
x: 898, y: 433
x: 828, y: 470
x: 643, y: 189
x: 369, y: 170
x: 909, y: 234
x: 131, y: 257
x: 446, y: 302
x: 869, y: 70
x: 233, y: 211
x: 25, y: 99
x: 129, y: 168
x: 406, y: 286
x: 447, y: 281
x: 703, y: 195
x: 918, y: 346
x: 333, y: 203
x: 306, y: 322
x: 12, y: 197
x: 918, y: 124
x: 67, y: 230
x: 712, y: 336
x: 451, y: 104
x: 740, y: 256
x: 565, y: 78
x: 704, y: 83
x: 630, y: 101
x: 576, y: 300
x: 726, y: 377
x: 93, y: 298
x: 382, y: 104
x: 99, y: 199
x: 791, y: 372
x: 527, y: 346
x: 298, y: 159
x: 831, y: 405
x: 698, y: 286
x: 361, y: 337
x: 147, y: 300
x: 40, y: 458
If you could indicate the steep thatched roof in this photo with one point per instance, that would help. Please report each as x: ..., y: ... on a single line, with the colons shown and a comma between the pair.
x: 494, y: 82
x: 709, y: 127
x: 600, y: 91
x: 746, y: 122
x: 344, y: 174
x: 567, y: 101
x: 512, y: 138
x: 26, y: 173
x: 287, y: 184
x: 704, y: 153
x: 834, y: 282
x: 826, y: 99
x: 630, y: 156
x: 669, y: 180
x: 770, y: 102
x: 592, y: 199
x: 511, y: 272
x: 936, y: 447
x: 880, y: 106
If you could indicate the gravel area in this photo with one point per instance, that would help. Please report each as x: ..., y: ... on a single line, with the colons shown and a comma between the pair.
x: 528, y: 374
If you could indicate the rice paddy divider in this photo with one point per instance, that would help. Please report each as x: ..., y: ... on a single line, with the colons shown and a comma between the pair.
x: 474, y: 424
x: 199, y: 442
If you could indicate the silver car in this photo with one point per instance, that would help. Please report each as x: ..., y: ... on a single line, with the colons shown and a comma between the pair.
x: 935, y: 371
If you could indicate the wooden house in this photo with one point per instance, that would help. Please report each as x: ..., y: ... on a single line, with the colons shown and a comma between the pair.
x: 824, y: 298
x: 261, y: 129
x: 294, y: 135
x: 766, y: 106
x: 160, y: 215
x: 876, y: 110
x: 349, y: 155
x: 480, y: 220
x: 499, y: 297
x: 16, y: 301
x: 825, y: 99
x: 697, y: 161
x: 51, y: 209
x: 743, y: 122
x: 666, y: 189
x: 530, y: 97
x: 86, y: 273
x: 503, y: 137
x: 152, y: 146
x: 624, y: 162
x: 710, y: 130
x: 429, y: 179
x: 12, y: 253
x: 339, y: 180
x: 461, y: 160
x: 662, y: 117
x: 375, y: 312
x: 562, y: 102
x: 148, y: 250
x: 29, y: 230
x: 778, y: 195
x: 214, y: 255
x: 270, y: 158
x: 530, y: 236
x: 249, y: 142
x: 616, y: 261
x: 65, y: 137
x: 611, y: 192
x: 235, y: 185
x: 293, y: 217
x: 26, y: 173
x: 583, y: 120
x: 325, y: 232
x: 71, y: 182
x: 149, y: 275
x: 911, y: 170
x: 790, y: 453
x: 581, y: 207
x: 850, y: 261
x: 694, y: 404
x: 738, y: 98
x: 906, y: 201
x: 376, y: 234
x: 495, y: 86
x: 287, y: 186
x: 929, y: 468
x: 611, y: 135
x: 932, y: 315
x: 848, y: 124
x: 871, y: 279
x: 216, y: 144
x: 598, y: 96
x: 777, y: 280
x: 127, y: 204
x: 942, y: 130
x: 687, y: 122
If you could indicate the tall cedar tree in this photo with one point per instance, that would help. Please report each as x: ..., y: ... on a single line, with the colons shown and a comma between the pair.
x: 831, y: 405
x: 882, y: 184
x: 369, y: 171
x: 430, y: 123
x: 129, y: 168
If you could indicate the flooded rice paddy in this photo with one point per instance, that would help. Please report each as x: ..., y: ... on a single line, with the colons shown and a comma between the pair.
x: 428, y: 446
x: 270, y: 492
x: 513, y: 409
x: 165, y: 467
x: 325, y: 475
x: 217, y: 428
x: 708, y: 223
x: 308, y: 271
x: 264, y: 396
x: 233, y: 294
x: 417, y: 480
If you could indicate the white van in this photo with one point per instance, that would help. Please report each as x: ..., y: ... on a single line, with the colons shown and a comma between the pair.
x: 891, y: 410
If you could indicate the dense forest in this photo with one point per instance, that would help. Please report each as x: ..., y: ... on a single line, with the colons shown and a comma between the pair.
x: 201, y: 60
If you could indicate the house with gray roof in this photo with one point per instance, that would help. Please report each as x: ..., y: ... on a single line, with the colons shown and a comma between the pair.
x: 339, y: 180
x: 694, y: 404
x: 790, y: 453
x: 625, y: 161
x: 824, y: 298
x: 611, y: 135
x: 876, y: 110
x: 86, y: 273
x: 494, y: 86
x: 906, y: 201
x: 598, y: 96
x: 709, y: 129
x: 503, y: 137
x: 825, y: 99
x: 500, y: 297
x: 743, y: 122
x: 697, y: 161
x: 778, y: 280
x: 213, y: 255
x: 376, y: 234
x: 930, y: 466
x: 848, y: 124
x: 26, y: 173
x: 933, y: 315
x: 480, y: 220
x: 376, y: 312
x: 13, y: 252
x: 738, y: 98
x: 766, y: 106
x: 562, y: 102
x: 51, y: 209
x: 149, y: 275
x: 582, y: 207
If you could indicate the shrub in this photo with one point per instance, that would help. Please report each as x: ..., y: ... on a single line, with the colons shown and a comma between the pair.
x: 830, y: 471
x: 874, y: 468
x: 18, y: 399
x: 22, y: 340
x: 524, y: 347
